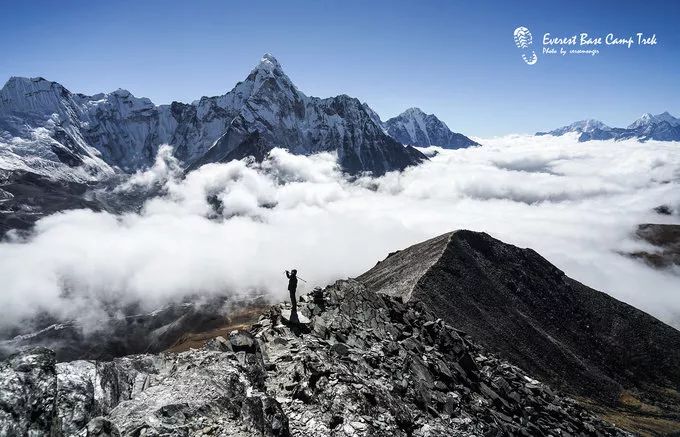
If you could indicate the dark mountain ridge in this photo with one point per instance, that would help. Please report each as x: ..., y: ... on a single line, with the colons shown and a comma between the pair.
x: 517, y: 304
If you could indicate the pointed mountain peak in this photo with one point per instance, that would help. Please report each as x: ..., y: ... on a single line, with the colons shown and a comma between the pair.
x: 413, y: 111
x: 667, y: 117
x: 122, y: 92
x: 266, y: 68
x: 645, y: 119
x: 417, y: 128
x: 268, y: 63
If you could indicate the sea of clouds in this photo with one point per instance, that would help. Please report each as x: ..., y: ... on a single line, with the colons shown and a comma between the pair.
x: 234, y: 228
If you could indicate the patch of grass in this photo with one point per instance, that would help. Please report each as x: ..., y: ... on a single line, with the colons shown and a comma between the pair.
x: 239, y: 319
x: 636, y: 416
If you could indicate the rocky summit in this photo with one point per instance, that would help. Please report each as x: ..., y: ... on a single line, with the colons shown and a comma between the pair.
x: 517, y: 304
x: 362, y: 364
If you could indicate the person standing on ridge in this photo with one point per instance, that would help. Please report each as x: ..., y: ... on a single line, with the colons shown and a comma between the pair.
x: 292, y: 286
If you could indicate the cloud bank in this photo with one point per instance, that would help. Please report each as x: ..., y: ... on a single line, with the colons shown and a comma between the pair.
x: 234, y: 228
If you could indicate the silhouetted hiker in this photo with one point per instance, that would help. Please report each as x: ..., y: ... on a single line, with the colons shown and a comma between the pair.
x: 292, y: 286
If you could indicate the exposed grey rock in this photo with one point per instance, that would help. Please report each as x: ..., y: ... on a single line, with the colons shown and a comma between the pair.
x: 168, y: 394
x: 664, y: 209
x: 28, y: 393
x: 242, y: 341
x: 101, y: 427
x: 289, y: 316
x: 219, y: 343
x: 380, y: 387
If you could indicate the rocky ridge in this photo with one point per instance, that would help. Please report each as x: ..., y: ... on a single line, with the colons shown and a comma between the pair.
x: 365, y: 364
x: 520, y: 306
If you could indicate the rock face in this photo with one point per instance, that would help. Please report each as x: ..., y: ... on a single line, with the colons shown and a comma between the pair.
x: 46, y: 129
x: 416, y: 128
x: 519, y: 305
x: 661, y: 127
x: 366, y: 364
x: 666, y: 239
x: 209, y: 392
x: 26, y: 196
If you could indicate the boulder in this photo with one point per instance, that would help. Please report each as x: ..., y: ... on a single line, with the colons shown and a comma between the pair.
x: 294, y: 318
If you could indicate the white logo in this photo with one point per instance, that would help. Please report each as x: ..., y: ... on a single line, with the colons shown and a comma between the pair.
x: 523, y: 41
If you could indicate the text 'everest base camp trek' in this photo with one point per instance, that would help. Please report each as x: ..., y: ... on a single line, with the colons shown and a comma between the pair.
x: 459, y: 335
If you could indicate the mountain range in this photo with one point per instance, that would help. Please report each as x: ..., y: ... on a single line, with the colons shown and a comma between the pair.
x: 661, y: 127
x: 47, y: 129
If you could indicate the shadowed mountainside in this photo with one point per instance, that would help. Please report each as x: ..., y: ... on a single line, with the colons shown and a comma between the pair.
x: 519, y: 305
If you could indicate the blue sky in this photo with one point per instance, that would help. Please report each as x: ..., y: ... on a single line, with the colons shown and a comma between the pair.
x: 455, y: 59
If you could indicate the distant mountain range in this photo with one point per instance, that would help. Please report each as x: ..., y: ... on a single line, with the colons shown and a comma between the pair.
x: 47, y: 129
x: 661, y: 127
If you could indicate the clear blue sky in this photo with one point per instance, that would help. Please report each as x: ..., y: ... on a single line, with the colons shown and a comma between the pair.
x: 454, y: 59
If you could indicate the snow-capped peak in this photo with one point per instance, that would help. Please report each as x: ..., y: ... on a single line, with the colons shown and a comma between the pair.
x: 267, y: 68
x: 122, y: 92
x: 268, y: 63
x: 660, y: 127
x: 32, y: 95
x: 645, y: 118
x: 414, y: 112
x: 588, y: 125
x: 649, y: 119
x: 415, y: 127
x: 666, y: 116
